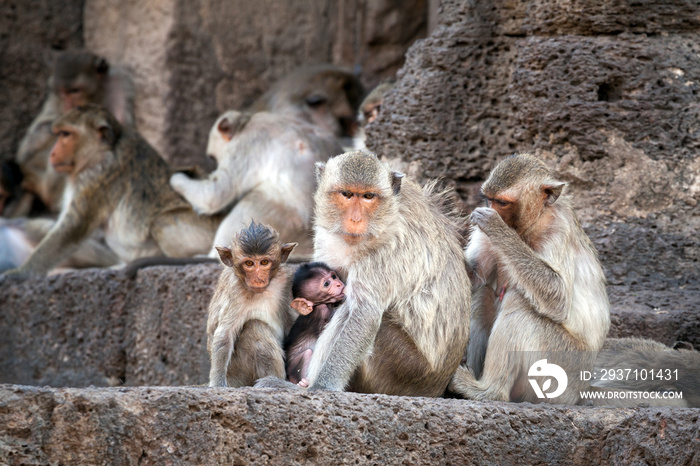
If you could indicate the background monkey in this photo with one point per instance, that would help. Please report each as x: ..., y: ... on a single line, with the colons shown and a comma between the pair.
x: 324, y: 95
x: 248, y: 313
x: 79, y: 78
x: 265, y: 171
x: 404, y: 324
x: 117, y: 180
x: 538, y: 286
x: 646, y: 355
x: 316, y: 290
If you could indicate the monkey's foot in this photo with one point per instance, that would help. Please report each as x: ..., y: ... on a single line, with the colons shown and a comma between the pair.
x: 273, y: 382
x: 303, y: 383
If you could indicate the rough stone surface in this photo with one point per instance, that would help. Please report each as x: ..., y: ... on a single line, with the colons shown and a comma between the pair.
x: 30, y: 33
x: 606, y: 93
x: 243, y: 426
x: 96, y: 327
x: 194, y: 60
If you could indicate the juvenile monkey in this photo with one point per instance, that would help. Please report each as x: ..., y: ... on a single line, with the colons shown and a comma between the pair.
x: 248, y: 313
x: 265, y: 166
x: 79, y: 78
x: 404, y: 324
x: 117, y: 181
x: 539, y: 289
x: 324, y: 95
x: 316, y: 290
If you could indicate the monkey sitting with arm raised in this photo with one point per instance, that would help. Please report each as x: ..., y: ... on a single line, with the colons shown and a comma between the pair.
x: 316, y: 289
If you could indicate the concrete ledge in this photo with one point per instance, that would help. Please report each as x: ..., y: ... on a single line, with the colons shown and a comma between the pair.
x: 96, y: 327
x: 191, y: 425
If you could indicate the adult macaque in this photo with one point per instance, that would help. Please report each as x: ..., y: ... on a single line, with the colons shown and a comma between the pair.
x: 324, y: 95
x: 404, y: 324
x: 248, y: 313
x: 116, y: 180
x: 265, y: 170
x: 316, y: 290
x: 79, y: 78
x: 539, y: 290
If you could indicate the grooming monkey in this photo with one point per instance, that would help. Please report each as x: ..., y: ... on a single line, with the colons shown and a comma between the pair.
x: 249, y: 311
x: 79, y: 78
x: 116, y: 180
x: 324, y: 95
x: 404, y: 324
x: 316, y: 290
x: 539, y: 289
x: 265, y: 171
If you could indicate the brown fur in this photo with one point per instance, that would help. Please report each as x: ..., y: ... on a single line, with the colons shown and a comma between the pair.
x: 93, y: 81
x: 324, y: 95
x: 539, y: 289
x: 117, y: 181
x: 245, y: 327
x: 403, y: 326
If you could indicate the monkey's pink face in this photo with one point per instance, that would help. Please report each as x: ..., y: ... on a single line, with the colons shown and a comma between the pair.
x: 258, y: 272
x: 357, y: 207
x: 331, y: 289
x: 62, y: 155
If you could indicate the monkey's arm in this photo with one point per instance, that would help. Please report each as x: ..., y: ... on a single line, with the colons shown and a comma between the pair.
x: 72, y: 228
x: 39, y: 136
x: 207, y: 196
x: 346, y: 341
x: 537, y: 279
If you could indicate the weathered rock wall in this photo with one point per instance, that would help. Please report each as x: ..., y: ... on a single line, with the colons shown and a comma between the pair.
x: 97, y: 327
x: 246, y: 426
x: 193, y: 60
x: 606, y: 92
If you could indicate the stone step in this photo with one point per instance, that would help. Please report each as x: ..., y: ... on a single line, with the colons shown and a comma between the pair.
x: 193, y: 425
x: 97, y: 327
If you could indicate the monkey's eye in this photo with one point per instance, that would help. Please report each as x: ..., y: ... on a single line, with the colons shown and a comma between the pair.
x: 63, y: 134
x: 326, y: 284
x: 500, y: 203
x: 73, y: 90
x: 249, y: 263
x: 264, y: 262
x: 334, y: 277
x: 346, y: 194
x: 369, y: 196
x: 315, y: 100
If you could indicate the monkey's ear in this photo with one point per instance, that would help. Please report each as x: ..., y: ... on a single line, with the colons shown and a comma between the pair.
x: 225, y: 255
x: 302, y: 306
x: 107, y: 133
x: 396, y: 181
x: 287, y: 250
x: 552, y: 191
x: 228, y: 127
x: 101, y: 65
x: 320, y: 167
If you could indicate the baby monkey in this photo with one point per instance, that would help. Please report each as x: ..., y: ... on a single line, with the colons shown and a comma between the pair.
x: 316, y: 290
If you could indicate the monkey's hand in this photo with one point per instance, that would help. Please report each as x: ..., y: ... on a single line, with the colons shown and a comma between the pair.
x: 273, y: 382
x: 488, y: 221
